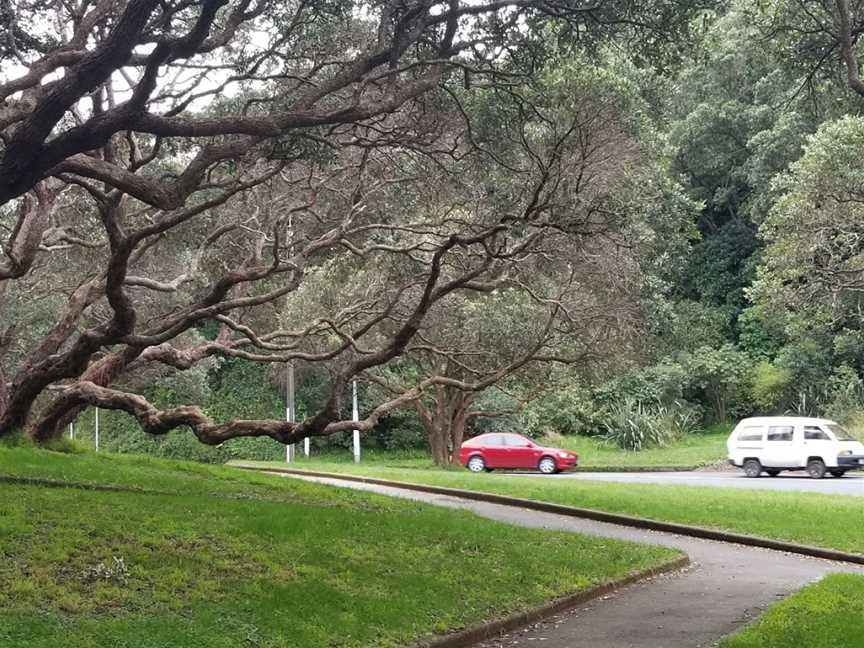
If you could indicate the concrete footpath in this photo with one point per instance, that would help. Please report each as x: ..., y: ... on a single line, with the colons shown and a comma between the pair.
x: 726, y: 586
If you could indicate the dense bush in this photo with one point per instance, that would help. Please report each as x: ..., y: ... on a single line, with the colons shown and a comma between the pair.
x: 635, y: 425
x: 769, y: 387
x: 568, y: 410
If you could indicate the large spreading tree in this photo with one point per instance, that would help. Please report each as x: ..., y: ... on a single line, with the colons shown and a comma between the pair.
x: 172, y: 172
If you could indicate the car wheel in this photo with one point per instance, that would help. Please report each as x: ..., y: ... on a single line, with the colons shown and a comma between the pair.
x: 476, y: 464
x: 772, y: 473
x: 838, y: 473
x: 752, y: 468
x: 816, y: 468
x: 547, y: 466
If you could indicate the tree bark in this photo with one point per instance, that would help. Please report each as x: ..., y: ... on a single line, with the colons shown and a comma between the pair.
x: 444, y: 423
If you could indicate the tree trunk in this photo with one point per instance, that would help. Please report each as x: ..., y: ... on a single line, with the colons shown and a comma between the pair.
x: 444, y: 424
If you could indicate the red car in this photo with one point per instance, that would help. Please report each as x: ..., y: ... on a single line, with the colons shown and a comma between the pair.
x: 495, y: 450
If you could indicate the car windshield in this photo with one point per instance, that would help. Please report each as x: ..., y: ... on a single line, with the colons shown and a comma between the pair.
x: 840, y: 433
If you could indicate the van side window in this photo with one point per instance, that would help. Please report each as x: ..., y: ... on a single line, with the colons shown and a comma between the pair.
x: 780, y: 433
x: 751, y: 433
x: 812, y: 433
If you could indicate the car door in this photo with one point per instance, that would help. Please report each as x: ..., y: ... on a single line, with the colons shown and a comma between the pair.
x: 494, y: 451
x: 780, y: 451
x: 817, y: 443
x: 522, y: 452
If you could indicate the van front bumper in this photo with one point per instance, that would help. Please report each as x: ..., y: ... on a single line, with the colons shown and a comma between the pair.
x: 850, y: 461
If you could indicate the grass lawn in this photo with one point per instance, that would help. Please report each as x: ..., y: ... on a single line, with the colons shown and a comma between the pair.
x: 828, y: 614
x: 702, y: 449
x: 833, y: 521
x: 222, y: 558
x: 694, y: 450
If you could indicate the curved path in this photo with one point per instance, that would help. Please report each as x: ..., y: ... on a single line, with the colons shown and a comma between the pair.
x: 726, y: 586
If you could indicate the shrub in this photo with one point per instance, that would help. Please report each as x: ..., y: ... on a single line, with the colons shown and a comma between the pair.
x: 769, y: 386
x: 569, y: 410
x: 636, y: 425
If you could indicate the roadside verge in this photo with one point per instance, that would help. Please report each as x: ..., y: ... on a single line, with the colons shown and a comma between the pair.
x: 591, y: 514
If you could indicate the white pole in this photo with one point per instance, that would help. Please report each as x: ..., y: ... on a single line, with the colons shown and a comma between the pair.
x: 356, y: 414
x: 306, y: 446
x: 71, y: 431
x: 97, y: 429
x: 290, y: 414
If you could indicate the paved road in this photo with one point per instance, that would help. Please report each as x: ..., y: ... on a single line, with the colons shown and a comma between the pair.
x: 726, y: 586
x: 851, y: 484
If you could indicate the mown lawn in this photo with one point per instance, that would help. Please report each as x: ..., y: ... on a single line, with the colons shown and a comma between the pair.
x: 834, y: 521
x: 828, y: 614
x: 693, y: 450
x: 223, y: 558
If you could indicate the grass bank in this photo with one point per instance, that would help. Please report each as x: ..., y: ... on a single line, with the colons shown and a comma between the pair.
x: 694, y: 450
x: 701, y: 449
x: 828, y: 614
x: 832, y: 521
x: 218, y: 558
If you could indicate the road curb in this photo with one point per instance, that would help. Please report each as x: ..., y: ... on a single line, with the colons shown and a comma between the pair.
x: 590, y: 514
x: 634, y: 469
x: 482, y: 631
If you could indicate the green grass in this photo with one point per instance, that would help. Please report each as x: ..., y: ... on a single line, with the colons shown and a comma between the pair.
x: 833, y: 521
x: 828, y: 614
x: 222, y: 558
x: 693, y: 450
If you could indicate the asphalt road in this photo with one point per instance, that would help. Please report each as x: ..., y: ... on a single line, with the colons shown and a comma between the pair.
x: 851, y: 484
x: 726, y: 586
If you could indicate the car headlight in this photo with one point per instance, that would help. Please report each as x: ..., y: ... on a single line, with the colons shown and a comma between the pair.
x: 564, y: 455
x: 844, y: 453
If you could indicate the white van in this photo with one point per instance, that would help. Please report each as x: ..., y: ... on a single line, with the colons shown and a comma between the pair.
x: 777, y: 443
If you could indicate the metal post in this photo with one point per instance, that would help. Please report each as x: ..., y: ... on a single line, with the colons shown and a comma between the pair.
x: 71, y: 431
x: 356, y: 414
x: 290, y: 414
x: 306, y: 446
x: 97, y: 429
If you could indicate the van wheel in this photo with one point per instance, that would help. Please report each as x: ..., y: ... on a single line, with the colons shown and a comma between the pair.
x: 772, y: 473
x: 838, y: 473
x: 816, y: 468
x: 752, y: 468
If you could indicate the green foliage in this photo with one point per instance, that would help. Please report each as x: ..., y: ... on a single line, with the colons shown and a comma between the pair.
x: 718, y: 378
x: 664, y: 382
x: 757, y: 336
x: 685, y: 325
x: 814, y: 258
x: 720, y: 266
x: 569, y: 409
x: 636, y: 425
x: 769, y: 387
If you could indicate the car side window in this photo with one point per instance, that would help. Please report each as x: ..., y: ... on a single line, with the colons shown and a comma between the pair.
x: 751, y: 433
x: 813, y: 433
x: 780, y: 433
x: 494, y: 440
x: 515, y: 441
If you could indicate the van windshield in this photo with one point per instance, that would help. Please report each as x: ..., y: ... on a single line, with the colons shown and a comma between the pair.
x: 840, y: 433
